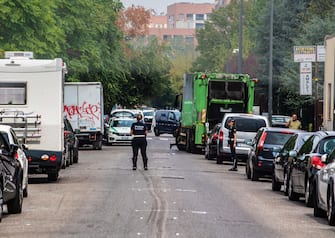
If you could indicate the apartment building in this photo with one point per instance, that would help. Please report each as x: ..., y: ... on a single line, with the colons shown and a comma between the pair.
x: 181, y: 21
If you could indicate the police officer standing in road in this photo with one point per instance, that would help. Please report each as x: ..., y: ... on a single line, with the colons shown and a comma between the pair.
x: 232, y: 143
x: 139, y: 130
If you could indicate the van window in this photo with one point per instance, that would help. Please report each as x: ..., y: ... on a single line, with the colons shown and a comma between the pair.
x: 172, y: 116
x: 247, y: 124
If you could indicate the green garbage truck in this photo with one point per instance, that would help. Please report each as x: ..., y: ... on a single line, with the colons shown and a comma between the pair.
x: 206, y: 98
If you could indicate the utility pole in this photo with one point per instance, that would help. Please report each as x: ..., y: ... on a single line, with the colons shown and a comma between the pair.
x: 270, y: 65
x: 240, y: 48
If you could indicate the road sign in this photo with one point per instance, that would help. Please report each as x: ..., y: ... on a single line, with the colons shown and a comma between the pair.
x: 306, y: 84
x: 306, y: 68
x: 304, y: 53
x: 320, y: 53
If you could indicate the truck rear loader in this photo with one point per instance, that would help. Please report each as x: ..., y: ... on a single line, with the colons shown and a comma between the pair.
x: 206, y: 98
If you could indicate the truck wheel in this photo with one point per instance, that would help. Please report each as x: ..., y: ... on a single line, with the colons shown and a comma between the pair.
x: 97, y: 145
x: 52, y: 177
x: 15, y: 205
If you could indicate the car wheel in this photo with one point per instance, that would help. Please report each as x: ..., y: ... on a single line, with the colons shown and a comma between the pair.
x: 317, y: 211
x: 247, y: 170
x: 1, y: 204
x: 286, y: 184
x: 219, y: 159
x: 308, y: 194
x: 52, y: 177
x: 275, y: 184
x: 254, y: 174
x: 25, y: 191
x: 156, y: 132
x: 291, y: 194
x: 331, y: 209
x: 15, y: 205
x: 75, y: 155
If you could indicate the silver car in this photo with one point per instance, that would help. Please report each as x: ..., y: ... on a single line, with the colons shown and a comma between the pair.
x: 247, y: 126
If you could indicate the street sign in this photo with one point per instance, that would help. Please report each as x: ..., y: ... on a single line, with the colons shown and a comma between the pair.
x: 320, y: 53
x: 306, y: 84
x: 305, y: 67
x: 304, y: 53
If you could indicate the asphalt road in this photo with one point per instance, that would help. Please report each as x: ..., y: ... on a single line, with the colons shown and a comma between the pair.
x: 181, y: 195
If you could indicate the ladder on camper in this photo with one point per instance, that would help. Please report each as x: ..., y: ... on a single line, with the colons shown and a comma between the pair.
x: 27, y: 126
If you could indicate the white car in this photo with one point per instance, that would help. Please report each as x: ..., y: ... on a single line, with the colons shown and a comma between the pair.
x: 10, y: 135
x: 118, y: 130
x: 122, y: 113
x: 324, y: 189
x: 247, y: 126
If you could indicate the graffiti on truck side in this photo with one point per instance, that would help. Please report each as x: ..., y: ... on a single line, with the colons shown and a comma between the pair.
x: 86, y: 111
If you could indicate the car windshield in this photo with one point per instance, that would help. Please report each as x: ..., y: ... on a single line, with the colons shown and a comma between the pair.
x: 327, y: 145
x: 122, y: 114
x: 122, y: 123
x: 277, y: 138
x: 148, y: 113
x: 247, y: 124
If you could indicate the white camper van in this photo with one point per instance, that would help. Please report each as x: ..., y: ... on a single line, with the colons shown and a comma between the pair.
x: 31, y: 101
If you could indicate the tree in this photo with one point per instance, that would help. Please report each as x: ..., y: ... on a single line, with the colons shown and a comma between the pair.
x: 134, y: 21
x: 30, y: 26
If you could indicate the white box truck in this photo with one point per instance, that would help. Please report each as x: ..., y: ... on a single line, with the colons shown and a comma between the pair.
x: 83, y: 107
x: 31, y: 101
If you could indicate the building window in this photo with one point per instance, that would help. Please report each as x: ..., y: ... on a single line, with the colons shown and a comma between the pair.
x: 189, y: 39
x: 189, y: 17
x: 166, y: 37
x: 199, y: 17
x: 181, y: 17
x: 208, y: 15
x: 13, y: 93
x: 199, y: 25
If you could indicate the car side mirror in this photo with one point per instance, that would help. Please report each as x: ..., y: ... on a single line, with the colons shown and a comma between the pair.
x: 324, y: 158
x: 293, y: 153
x: 25, y: 147
x: 248, y: 142
x: 13, y: 148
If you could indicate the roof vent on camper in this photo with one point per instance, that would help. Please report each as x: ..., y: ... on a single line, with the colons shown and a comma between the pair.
x: 19, y: 54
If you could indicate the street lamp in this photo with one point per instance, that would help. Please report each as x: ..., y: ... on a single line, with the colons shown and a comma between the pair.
x: 270, y: 65
x: 239, y: 70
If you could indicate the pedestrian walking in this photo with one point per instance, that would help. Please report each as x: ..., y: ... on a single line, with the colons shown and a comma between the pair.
x: 232, y: 143
x: 294, y: 123
x: 139, y: 131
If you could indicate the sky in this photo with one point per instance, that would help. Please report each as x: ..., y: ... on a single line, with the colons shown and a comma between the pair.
x: 159, y: 5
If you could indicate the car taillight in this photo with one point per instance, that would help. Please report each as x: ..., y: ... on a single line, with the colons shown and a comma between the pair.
x: 66, y: 133
x: 221, y: 136
x: 53, y: 158
x: 316, y: 162
x: 261, y: 142
x: 16, y: 156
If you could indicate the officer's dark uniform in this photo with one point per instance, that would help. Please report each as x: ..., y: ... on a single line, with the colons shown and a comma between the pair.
x: 231, y: 142
x: 139, y: 142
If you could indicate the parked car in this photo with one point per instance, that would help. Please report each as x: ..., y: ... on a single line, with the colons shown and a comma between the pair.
x: 166, y: 121
x: 122, y: 113
x: 212, y: 142
x: 11, y: 190
x: 324, y: 189
x: 306, y: 163
x: 119, y: 130
x: 247, y: 126
x: 261, y: 156
x: 147, y: 117
x: 11, y: 138
x: 280, y: 162
x: 280, y: 120
x: 71, y: 143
